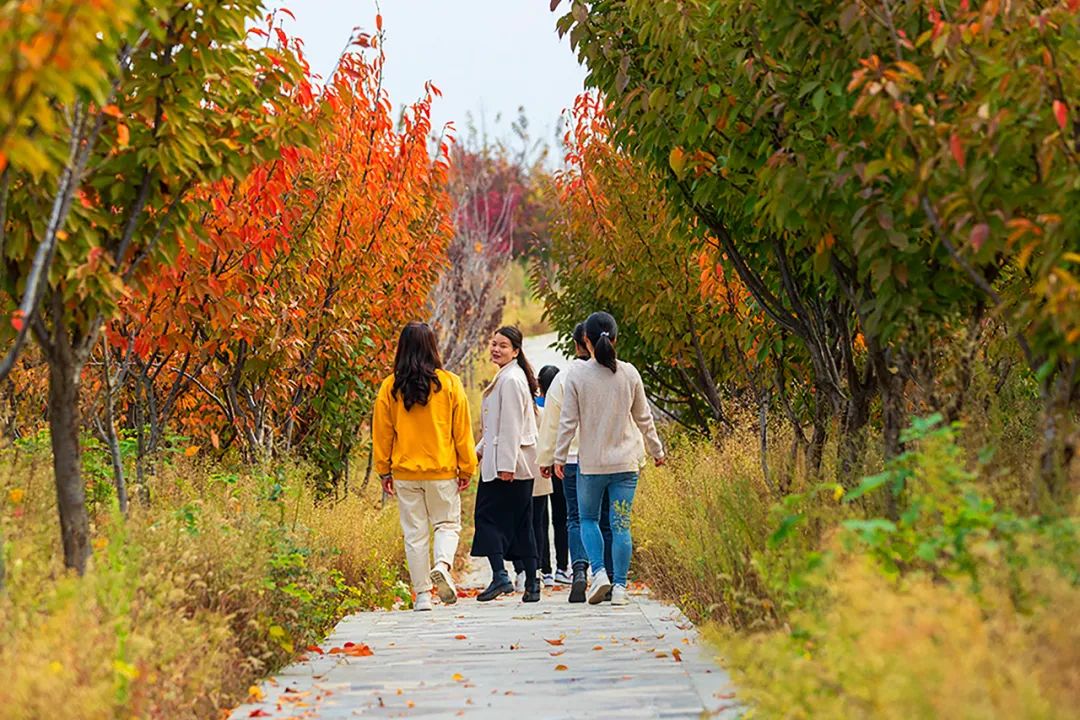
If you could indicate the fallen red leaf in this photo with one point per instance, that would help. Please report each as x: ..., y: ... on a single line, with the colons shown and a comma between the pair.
x: 557, y: 641
x: 258, y: 713
x: 315, y: 649
x: 459, y: 637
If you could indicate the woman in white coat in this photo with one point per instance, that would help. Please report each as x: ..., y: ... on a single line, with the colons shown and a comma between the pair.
x: 508, y: 469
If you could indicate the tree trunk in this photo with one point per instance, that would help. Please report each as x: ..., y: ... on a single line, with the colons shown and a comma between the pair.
x: 763, y: 434
x: 1058, y: 396
x: 139, y: 410
x: 816, y: 449
x: 853, y: 441
x: 370, y: 464
x: 892, y: 410
x: 110, y: 437
x: 64, y: 374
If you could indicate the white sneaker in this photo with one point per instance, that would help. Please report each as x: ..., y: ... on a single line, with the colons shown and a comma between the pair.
x: 519, y: 582
x: 423, y: 602
x: 619, y: 595
x: 598, y: 587
x: 563, y: 577
x: 444, y: 585
x: 549, y: 580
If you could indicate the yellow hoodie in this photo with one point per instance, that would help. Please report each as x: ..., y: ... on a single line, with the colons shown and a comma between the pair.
x: 428, y: 442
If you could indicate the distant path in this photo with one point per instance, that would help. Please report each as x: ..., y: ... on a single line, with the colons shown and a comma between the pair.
x: 497, y: 660
x: 541, y: 351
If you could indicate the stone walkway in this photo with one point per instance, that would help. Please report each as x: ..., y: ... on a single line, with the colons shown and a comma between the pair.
x: 507, y: 660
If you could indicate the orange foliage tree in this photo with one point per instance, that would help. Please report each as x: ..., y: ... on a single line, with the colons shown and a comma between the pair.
x: 270, y: 329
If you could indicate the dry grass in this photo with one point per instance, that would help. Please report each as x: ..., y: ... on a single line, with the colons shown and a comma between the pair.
x: 222, y: 579
x: 817, y: 626
x: 914, y: 649
x: 522, y: 308
x: 697, y: 523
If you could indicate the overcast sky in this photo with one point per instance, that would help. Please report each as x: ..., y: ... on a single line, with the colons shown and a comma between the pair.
x: 487, y: 56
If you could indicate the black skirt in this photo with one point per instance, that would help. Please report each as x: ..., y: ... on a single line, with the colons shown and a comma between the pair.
x: 503, y: 520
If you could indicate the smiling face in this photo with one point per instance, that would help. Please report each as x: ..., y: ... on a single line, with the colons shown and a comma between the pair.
x: 502, y: 350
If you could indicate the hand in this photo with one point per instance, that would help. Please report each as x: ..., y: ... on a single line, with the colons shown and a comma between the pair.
x: 462, y: 483
x: 545, y: 472
x: 387, y: 484
x: 560, y: 471
x: 660, y: 461
x: 506, y: 476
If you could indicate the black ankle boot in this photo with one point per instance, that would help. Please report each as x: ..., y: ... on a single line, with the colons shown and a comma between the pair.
x: 532, y: 591
x: 577, y: 587
x: 500, y: 585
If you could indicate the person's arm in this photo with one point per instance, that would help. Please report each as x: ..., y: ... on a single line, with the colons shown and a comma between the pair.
x: 549, y: 424
x: 644, y: 420
x: 569, y: 417
x: 382, y: 434
x: 461, y: 428
x: 512, y: 399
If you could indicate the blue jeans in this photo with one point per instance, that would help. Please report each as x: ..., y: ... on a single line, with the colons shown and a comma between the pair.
x: 573, y: 522
x: 620, y: 488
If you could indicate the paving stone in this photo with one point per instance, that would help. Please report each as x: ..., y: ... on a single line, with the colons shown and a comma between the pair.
x: 506, y: 665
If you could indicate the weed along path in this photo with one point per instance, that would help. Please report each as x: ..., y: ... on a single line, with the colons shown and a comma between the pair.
x: 506, y: 660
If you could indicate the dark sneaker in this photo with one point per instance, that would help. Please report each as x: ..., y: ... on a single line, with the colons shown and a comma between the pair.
x: 532, y: 592
x: 498, y: 586
x: 577, y: 587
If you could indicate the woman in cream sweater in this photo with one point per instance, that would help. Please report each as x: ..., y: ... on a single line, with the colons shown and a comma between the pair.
x: 508, y: 469
x: 604, y: 401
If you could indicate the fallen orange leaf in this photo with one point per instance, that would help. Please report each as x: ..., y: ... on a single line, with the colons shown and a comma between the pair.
x: 677, y: 654
x: 598, y: 647
x: 557, y: 641
x: 458, y: 677
x: 315, y: 649
x: 459, y: 637
x: 557, y: 653
x: 560, y: 668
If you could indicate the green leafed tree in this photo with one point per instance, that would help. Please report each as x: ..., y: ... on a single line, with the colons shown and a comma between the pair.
x: 154, y: 97
x: 890, y: 169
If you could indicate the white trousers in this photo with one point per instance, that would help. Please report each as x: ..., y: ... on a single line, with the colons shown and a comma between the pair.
x: 424, y: 506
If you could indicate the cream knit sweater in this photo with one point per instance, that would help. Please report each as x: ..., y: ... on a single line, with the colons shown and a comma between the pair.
x: 603, y: 408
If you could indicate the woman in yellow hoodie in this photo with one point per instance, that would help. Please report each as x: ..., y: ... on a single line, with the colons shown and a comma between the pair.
x: 425, y: 454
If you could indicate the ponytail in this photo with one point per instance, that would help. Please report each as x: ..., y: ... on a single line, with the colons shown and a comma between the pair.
x: 515, y: 337
x: 602, y: 331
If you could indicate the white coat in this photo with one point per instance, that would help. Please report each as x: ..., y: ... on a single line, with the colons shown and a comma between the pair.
x: 508, y: 417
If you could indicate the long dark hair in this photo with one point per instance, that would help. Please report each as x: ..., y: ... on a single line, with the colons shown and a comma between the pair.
x: 602, y: 330
x: 545, y: 377
x: 415, y: 364
x: 515, y: 337
x: 579, y: 340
